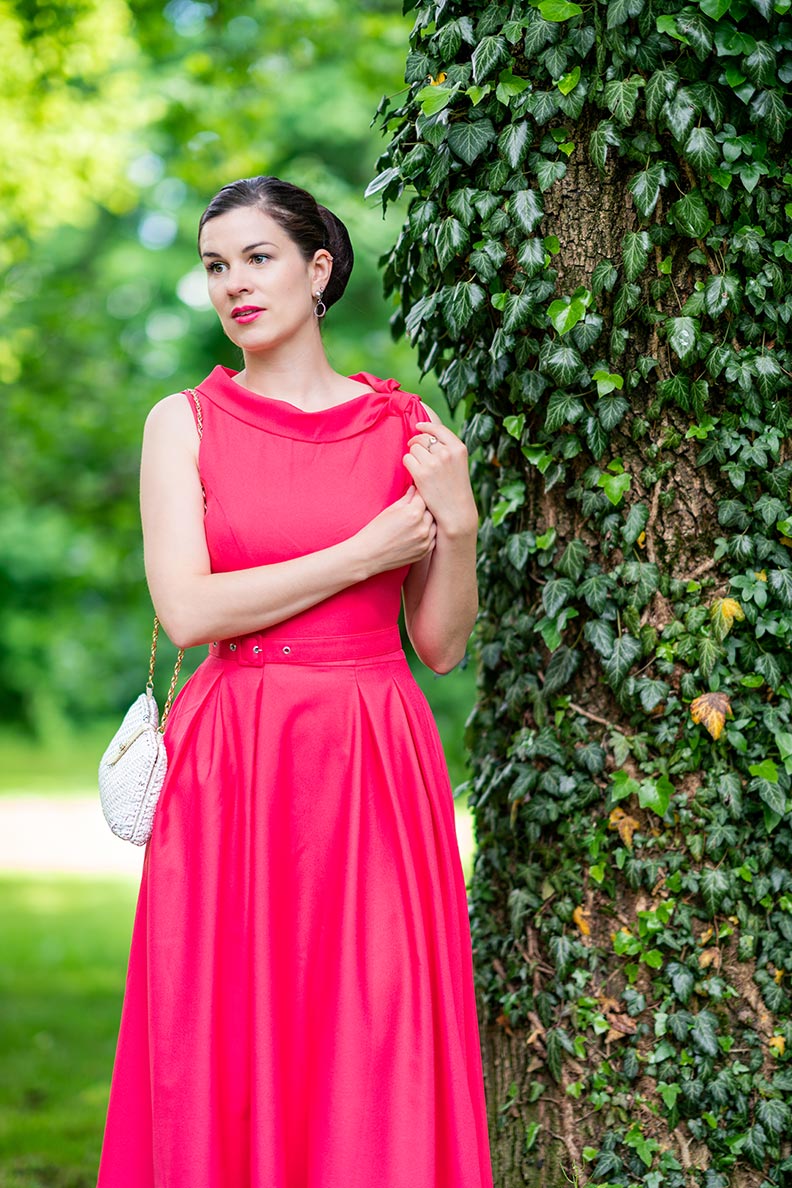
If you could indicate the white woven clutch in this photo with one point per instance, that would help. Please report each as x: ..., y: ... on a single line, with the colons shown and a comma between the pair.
x: 132, y: 771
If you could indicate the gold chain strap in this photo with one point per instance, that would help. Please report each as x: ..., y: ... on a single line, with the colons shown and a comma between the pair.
x: 155, y: 632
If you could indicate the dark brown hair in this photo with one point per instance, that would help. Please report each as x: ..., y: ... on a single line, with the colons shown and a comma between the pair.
x: 297, y: 212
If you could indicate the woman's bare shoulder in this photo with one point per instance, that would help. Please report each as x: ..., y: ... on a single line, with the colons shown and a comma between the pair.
x: 171, y: 416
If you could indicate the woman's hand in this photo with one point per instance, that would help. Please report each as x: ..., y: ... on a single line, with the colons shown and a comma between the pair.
x: 438, y: 465
x: 403, y: 533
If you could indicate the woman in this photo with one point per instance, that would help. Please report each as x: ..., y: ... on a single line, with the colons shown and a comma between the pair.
x: 299, y: 1010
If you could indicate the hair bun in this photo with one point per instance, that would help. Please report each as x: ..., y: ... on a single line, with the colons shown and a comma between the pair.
x: 339, y: 246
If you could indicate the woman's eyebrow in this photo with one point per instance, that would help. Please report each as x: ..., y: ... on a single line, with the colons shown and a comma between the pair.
x: 249, y: 248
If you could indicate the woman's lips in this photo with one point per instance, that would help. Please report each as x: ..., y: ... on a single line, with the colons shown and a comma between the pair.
x: 247, y: 313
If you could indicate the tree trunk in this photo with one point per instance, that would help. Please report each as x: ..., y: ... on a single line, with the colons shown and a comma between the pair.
x: 591, y: 263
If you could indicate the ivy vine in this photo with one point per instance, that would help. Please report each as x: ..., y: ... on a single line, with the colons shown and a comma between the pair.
x: 632, y: 743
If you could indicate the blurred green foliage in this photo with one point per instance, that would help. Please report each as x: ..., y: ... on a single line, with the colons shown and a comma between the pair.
x: 125, y: 119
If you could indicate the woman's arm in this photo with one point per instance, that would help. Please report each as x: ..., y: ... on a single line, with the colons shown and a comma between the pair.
x: 196, y: 605
x: 440, y: 593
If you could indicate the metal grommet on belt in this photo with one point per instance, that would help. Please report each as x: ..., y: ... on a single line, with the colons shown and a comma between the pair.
x: 287, y: 650
x: 232, y: 647
x: 256, y: 648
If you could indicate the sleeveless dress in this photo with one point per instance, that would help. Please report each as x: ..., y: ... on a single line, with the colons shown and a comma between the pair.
x: 299, y: 1009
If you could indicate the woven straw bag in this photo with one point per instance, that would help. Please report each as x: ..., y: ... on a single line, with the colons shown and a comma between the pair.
x: 133, y: 768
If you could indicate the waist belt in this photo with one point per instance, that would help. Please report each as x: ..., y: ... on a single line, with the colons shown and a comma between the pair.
x: 277, y: 647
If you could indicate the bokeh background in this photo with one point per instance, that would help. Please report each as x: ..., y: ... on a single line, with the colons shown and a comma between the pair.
x: 119, y: 120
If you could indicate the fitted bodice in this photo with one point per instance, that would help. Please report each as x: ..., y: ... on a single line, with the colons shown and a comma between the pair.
x: 281, y: 482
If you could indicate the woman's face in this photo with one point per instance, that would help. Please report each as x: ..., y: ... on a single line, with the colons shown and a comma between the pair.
x: 259, y: 281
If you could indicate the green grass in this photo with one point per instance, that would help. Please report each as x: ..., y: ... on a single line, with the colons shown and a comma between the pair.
x: 64, y: 945
x: 64, y: 763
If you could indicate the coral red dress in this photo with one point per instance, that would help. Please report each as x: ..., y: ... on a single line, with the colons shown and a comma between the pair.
x: 299, y: 1009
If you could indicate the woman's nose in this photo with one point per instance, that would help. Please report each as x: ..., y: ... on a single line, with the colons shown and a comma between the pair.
x: 236, y: 281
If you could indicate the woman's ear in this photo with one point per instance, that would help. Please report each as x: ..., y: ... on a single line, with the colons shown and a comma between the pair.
x: 322, y: 267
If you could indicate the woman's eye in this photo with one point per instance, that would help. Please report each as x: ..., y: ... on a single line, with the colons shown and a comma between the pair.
x: 259, y: 258
x: 215, y: 267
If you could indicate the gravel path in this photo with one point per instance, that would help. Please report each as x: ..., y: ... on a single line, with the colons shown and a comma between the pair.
x: 68, y: 835
x: 62, y: 835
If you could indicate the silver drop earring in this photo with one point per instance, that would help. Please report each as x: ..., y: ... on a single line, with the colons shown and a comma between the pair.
x: 320, y: 309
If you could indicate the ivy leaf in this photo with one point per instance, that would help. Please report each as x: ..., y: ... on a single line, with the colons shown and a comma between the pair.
x: 715, y: 8
x: 601, y: 636
x: 611, y: 411
x: 489, y: 53
x: 768, y: 374
x: 701, y: 149
x: 780, y: 582
x: 526, y: 208
x: 542, y: 105
x: 615, y: 486
x: 682, y: 980
x: 548, y: 172
x: 573, y: 559
x: 513, y: 143
x: 635, y: 253
x: 637, y: 519
x: 563, y: 364
x: 704, y: 1033
x: 652, y: 693
x: 603, y: 277
x: 760, y: 65
x: 656, y: 795
x: 770, y: 793
x: 605, y: 135
x: 660, y: 87
x: 595, y: 591
x: 723, y: 613
x: 690, y: 215
x: 774, y: 1115
x: 682, y: 337
x: 626, y: 650
x: 555, y: 594
x: 720, y: 293
x: 645, y: 188
x: 468, y: 140
x: 562, y: 667
x: 711, y: 710
x: 460, y: 305
x: 516, y: 311
x: 679, y: 114
x: 562, y: 409
x: 768, y: 666
x: 619, y: 11
x: 565, y: 313
x: 451, y: 237
x: 596, y: 437
x: 621, y: 97
x: 714, y: 887
x: 709, y: 652
x: 754, y: 1146
x: 558, y: 10
x: 626, y: 300
x: 644, y: 578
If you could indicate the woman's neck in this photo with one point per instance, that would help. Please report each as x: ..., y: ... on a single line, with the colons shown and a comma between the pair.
x: 300, y: 375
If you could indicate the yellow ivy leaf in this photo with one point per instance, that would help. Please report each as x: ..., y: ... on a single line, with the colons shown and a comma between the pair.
x: 579, y: 916
x: 761, y: 574
x: 709, y: 957
x: 711, y: 710
x: 786, y: 541
x: 706, y: 936
x: 435, y: 82
x: 625, y: 824
x: 777, y: 976
x: 723, y: 613
x: 777, y: 1043
x: 642, y: 540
